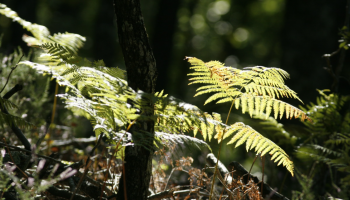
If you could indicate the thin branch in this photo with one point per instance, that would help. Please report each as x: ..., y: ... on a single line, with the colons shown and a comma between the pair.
x: 24, y: 150
x: 14, y: 128
x: 15, y: 89
x: 87, y: 166
x: 252, y: 166
x: 171, y: 193
x: 65, y: 194
x: 9, y: 152
x: 109, y: 164
x: 12, y: 69
x: 336, y: 73
x: 241, y: 172
x: 262, y: 178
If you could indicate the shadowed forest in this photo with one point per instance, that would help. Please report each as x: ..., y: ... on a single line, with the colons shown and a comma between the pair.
x: 140, y: 99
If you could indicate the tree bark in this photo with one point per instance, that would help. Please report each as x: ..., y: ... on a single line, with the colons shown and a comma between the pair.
x: 141, y: 73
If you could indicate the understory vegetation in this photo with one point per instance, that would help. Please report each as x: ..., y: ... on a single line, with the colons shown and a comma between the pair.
x: 66, y: 121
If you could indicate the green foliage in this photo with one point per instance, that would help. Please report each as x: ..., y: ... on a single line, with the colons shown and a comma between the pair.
x: 103, y: 98
x: 102, y: 95
x: 328, y: 143
x: 306, y: 184
x: 9, y: 64
x: 345, y: 35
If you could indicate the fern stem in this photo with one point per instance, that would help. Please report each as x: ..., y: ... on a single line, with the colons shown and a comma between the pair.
x: 250, y: 170
x: 12, y: 69
x: 218, y: 157
x: 54, y: 104
x: 284, y: 180
x: 262, y: 178
x: 228, y: 116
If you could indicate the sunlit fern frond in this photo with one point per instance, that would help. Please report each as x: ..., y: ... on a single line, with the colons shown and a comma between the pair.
x: 254, y: 88
x: 241, y: 133
x: 168, y: 139
x: 174, y: 115
x: 101, y: 94
x: 191, y: 118
x: 71, y: 40
x: 114, y: 72
x: 251, y: 103
x: 58, y: 51
x: 94, y: 93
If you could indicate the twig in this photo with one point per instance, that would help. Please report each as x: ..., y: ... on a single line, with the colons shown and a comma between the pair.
x: 212, y: 160
x: 124, y: 178
x: 63, y: 143
x: 241, y: 172
x: 284, y: 180
x: 171, y: 173
x: 336, y: 73
x: 18, y: 87
x: 170, y: 193
x: 223, y: 172
x: 24, y: 150
x: 252, y: 166
x: 110, y: 161
x: 19, y: 169
x: 65, y: 194
x: 12, y: 69
x: 201, y: 179
x: 14, y: 128
x: 87, y: 167
x: 262, y: 178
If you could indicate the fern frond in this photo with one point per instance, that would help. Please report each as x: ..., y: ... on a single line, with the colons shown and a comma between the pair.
x: 254, y: 88
x: 326, y: 150
x: 7, y: 103
x: 270, y: 124
x: 341, y: 138
x: 252, y: 103
x: 177, y: 139
x: 245, y: 134
x: 14, y: 120
x: 58, y: 51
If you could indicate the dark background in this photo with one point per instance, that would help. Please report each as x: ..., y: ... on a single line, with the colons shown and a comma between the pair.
x: 289, y: 34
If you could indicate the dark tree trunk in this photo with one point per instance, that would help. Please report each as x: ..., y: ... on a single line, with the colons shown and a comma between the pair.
x: 141, y: 73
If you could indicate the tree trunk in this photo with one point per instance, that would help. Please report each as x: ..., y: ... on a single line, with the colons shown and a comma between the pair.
x: 141, y: 73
